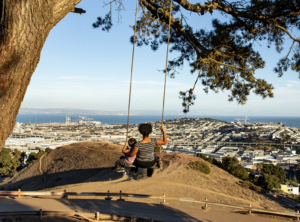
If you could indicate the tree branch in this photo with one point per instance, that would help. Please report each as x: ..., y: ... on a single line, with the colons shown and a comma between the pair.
x: 109, y: 3
x: 78, y: 10
x: 164, y: 17
x: 210, y: 6
x: 283, y: 29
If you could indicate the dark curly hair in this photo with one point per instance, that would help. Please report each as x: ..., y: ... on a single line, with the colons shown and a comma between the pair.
x: 145, y: 129
x: 131, y: 142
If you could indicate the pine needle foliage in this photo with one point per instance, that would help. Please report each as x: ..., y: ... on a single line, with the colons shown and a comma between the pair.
x: 223, y: 58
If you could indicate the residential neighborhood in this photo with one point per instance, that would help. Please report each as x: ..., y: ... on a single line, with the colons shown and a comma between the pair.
x: 250, y: 143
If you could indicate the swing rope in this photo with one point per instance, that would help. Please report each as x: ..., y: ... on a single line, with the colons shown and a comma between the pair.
x: 166, y: 71
x: 136, y: 11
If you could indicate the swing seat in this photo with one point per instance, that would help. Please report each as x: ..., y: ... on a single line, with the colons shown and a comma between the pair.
x: 122, y: 170
x: 155, y: 166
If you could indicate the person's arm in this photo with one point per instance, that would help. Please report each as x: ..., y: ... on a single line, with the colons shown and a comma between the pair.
x: 164, y: 141
x: 124, y: 148
x: 132, y: 152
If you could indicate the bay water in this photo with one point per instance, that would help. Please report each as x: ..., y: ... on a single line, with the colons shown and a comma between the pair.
x: 136, y: 119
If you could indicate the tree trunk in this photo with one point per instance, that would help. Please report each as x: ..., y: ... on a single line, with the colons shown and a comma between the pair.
x: 24, y: 27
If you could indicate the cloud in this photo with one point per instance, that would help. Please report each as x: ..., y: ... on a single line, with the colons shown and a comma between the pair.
x: 293, y: 82
x: 82, y: 78
x: 149, y: 82
x: 74, y: 77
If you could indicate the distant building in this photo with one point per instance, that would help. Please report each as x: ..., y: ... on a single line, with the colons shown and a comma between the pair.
x: 289, y: 188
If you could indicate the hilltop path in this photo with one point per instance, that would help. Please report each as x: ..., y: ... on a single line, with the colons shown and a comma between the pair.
x: 131, y: 209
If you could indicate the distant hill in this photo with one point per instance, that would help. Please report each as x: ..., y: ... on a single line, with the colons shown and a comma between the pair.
x: 75, y: 163
x: 72, y: 111
x: 86, y: 167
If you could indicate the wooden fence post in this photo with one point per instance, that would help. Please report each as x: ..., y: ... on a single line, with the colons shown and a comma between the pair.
x: 164, y: 200
x: 120, y: 199
x: 65, y: 195
x: 206, y: 206
x: 41, y: 214
x: 108, y: 197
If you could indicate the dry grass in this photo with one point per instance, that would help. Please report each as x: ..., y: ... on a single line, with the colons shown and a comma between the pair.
x: 88, y: 169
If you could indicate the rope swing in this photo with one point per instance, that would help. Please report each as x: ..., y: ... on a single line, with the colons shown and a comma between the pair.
x: 136, y: 11
x: 166, y: 71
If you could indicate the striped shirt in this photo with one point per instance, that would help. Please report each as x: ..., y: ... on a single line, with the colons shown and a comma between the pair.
x: 146, y: 150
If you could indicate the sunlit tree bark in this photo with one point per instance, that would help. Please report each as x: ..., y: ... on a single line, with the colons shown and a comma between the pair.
x: 24, y: 27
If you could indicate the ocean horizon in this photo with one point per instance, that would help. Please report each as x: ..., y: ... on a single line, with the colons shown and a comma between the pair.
x: 136, y: 119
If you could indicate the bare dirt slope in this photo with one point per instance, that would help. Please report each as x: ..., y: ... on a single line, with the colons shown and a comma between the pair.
x: 75, y: 163
x: 80, y: 163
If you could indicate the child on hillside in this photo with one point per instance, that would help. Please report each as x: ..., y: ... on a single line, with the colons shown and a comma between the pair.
x: 126, y: 161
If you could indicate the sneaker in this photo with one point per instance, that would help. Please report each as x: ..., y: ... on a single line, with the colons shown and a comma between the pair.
x: 120, y: 170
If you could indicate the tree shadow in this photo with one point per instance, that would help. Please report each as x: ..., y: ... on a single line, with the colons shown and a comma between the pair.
x: 130, y: 209
x: 34, y: 183
x: 156, y: 212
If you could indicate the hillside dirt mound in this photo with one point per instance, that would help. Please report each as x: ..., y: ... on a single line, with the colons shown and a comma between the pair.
x: 75, y: 163
x: 85, y: 167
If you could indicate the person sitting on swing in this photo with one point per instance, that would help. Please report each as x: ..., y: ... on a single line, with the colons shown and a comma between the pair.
x: 144, y: 149
x: 125, y: 161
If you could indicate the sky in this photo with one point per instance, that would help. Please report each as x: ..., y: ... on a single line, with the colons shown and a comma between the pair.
x: 86, y: 68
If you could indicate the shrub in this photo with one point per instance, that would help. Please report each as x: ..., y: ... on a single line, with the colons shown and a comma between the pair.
x: 47, y: 150
x: 268, y: 181
x: 293, y: 182
x: 239, y: 172
x: 203, y: 156
x: 251, y: 186
x: 210, y: 160
x: 17, y: 153
x: 276, y: 171
x: 34, y: 156
x: 8, y: 164
x: 200, y: 166
x: 247, y: 184
x: 229, y: 162
x: 216, y: 162
x: 257, y: 189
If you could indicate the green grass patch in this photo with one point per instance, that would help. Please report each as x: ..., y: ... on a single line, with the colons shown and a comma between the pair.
x: 200, y: 166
